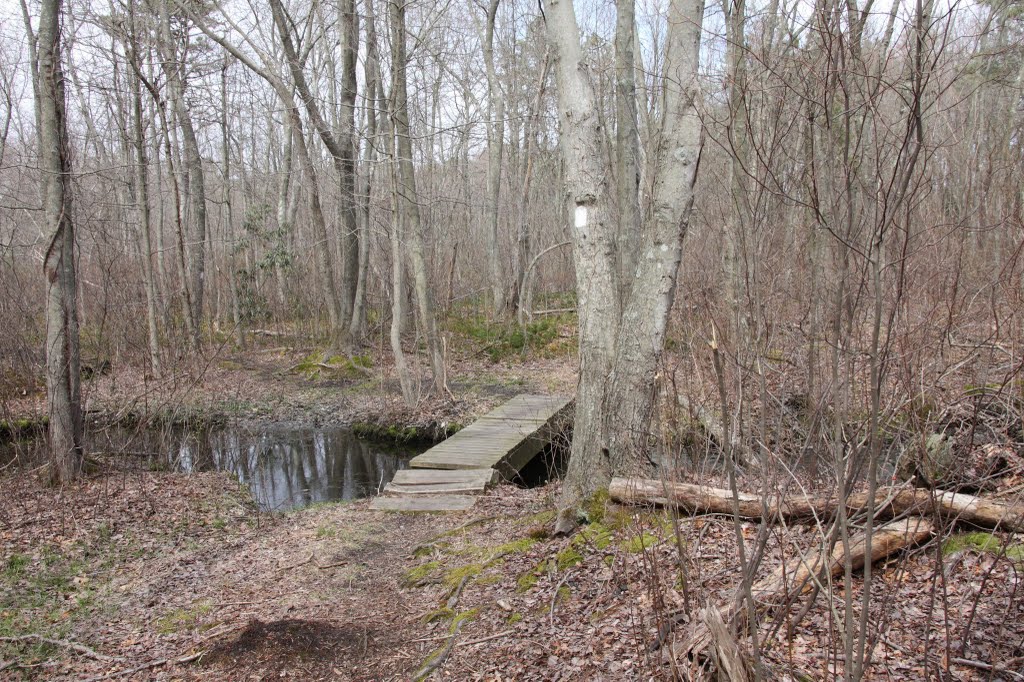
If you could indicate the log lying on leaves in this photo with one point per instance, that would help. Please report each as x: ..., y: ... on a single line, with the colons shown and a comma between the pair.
x: 700, y: 647
x: 797, y: 576
x: 891, y: 502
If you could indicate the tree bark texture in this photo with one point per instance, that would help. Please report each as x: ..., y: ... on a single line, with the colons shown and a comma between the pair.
x: 413, y: 235
x: 699, y: 499
x: 63, y: 376
x: 621, y: 337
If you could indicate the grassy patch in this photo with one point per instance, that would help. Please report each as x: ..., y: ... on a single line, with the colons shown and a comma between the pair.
x: 323, y: 532
x: 314, y: 366
x: 500, y: 341
x: 15, y: 566
x: 184, y: 619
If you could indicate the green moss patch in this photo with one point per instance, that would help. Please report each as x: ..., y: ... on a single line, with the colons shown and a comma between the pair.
x: 568, y: 558
x: 982, y: 542
x: 639, y: 543
x: 416, y: 575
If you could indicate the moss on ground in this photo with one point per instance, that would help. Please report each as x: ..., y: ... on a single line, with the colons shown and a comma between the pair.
x: 639, y: 543
x: 527, y: 581
x: 417, y: 574
x: 982, y: 542
x: 183, y: 619
x: 568, y: 558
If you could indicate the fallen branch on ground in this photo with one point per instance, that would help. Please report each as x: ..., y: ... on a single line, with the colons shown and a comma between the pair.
x: 146, y: 666
x: 435, y: 662
x: 74, y: 646
x: 456, y: 593
x: 787, y: 583
x: 891, y: 502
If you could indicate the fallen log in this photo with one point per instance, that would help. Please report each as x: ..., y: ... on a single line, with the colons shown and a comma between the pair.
x: 890, y: 502
x: 784, y: 585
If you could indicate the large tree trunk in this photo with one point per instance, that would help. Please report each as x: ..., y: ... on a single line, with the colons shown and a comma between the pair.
x: 621, y: 339
x: 347, y: 139
x: 63, y: 378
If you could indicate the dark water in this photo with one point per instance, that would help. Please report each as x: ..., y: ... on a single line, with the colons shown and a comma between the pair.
x: 285, y: 466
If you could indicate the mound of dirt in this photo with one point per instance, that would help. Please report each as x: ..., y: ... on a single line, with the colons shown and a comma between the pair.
x: 308, y: 649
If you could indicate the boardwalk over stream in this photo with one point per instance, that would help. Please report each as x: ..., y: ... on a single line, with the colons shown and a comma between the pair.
x: 495, y: 446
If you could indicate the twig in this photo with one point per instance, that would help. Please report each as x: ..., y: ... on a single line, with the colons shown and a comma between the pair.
x: 218, y: 633
x: 435, y: 662
x: 454, y: 599
x: 146, y: 666
x: 324, y: 567
x: 554, y: 598
x: 989, y: 667
x: 301, y: 563
x: 506, y: 633
x: 84, y: 650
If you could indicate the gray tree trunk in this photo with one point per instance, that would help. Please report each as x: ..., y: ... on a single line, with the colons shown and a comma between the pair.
x: 495, y: 151
x: 410, y: 198
x: 621, y: 339
x: 63, y: 376
x: 141, y: 180
x: 627, y: 142
x: 236, y: 313
x: 341, y: 148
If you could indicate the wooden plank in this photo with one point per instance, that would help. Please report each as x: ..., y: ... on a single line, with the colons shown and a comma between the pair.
x: 483, y: 477
x: 439, y: 503
x: 435, y: 489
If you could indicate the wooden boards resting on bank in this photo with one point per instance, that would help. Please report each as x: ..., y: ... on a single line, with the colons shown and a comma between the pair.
x: 495, y: 446
x: 504, y: 439
x: 435, y: 481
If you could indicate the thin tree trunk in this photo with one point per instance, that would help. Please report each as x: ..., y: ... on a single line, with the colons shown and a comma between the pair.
x: 236, y: 314
x: 410, y: 198
x: 142, y: 197
x: 63, y: 376
x: 495, y: 151
x: 627, y: 143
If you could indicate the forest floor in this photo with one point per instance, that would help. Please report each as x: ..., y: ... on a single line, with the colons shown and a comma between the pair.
x: 136, y: 574
x: 154, y: 575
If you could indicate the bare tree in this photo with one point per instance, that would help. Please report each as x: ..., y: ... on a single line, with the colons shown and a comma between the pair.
x: 63, y: 391
x: 621, y: 338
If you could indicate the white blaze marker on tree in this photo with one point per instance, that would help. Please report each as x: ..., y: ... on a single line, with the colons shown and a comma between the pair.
x: 581, y: 216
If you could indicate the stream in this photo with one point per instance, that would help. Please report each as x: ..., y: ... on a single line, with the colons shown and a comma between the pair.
x: 285, y: 466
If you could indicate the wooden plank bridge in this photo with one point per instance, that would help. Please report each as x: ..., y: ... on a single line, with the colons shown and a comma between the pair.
x: 496, y: 446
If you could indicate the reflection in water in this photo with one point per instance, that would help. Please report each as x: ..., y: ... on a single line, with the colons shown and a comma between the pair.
x: 293, y: 467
